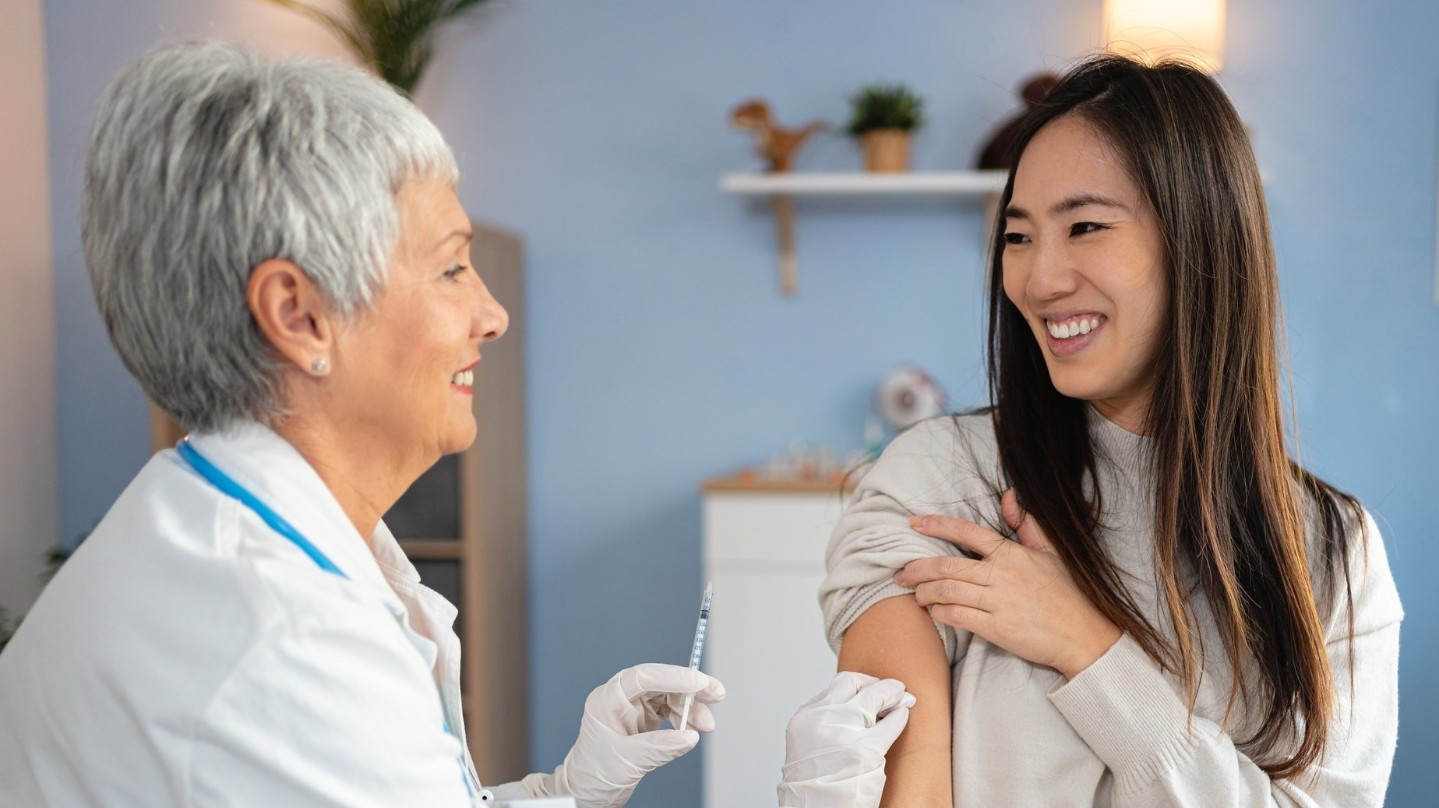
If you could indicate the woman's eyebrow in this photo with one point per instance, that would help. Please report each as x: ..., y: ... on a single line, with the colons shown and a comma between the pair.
x: 460, y: 232
x: 1070, y: 203
x: 1077, y: 201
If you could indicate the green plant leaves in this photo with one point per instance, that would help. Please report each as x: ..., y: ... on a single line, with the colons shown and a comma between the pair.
x: 7, y: 628
x: 885, y: 106
x: 395, y: 38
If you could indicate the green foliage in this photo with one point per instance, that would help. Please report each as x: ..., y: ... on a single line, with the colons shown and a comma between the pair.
x: 54, y: 558
x: 396, y: 38
x: 7, y: 628
x: 885, y: 106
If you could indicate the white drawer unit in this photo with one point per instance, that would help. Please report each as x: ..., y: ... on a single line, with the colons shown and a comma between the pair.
x: 764, y: 550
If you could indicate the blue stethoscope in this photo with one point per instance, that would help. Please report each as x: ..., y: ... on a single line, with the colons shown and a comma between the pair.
x: 229, y: 487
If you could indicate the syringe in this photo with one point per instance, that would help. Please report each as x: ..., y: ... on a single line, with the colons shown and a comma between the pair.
x: 697, y: 650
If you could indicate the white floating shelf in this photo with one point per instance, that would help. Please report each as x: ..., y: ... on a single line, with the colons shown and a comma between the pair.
x: 783, y: 188
x: 857, y: 183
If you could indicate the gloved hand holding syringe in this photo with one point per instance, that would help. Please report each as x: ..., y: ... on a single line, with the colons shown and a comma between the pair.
x: 621, y: 734
x: 835, y: 744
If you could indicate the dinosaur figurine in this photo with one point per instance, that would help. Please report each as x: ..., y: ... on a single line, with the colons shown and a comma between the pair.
x: 774, y: 143
x: 777, y: 145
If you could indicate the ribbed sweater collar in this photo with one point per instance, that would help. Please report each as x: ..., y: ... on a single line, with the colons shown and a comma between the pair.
x: 1127, y: 451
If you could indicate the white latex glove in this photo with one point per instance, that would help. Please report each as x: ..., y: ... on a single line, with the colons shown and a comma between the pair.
x: 620, y: 738
x: 835, y: 744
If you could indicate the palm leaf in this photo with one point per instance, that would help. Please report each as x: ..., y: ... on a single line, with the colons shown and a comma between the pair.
x: 395, y: 38
x: 340, y: 26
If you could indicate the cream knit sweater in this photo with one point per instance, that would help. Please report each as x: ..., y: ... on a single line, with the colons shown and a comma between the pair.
x: 1119, y: 733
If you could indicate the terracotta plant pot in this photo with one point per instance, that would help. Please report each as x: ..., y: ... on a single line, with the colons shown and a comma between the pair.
x: 886, y: 150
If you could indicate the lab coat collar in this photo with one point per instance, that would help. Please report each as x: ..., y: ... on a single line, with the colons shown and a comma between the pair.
x: 391, y: 557
x: 272, y: 469
x: 425, y: 606
x: 432, y: 615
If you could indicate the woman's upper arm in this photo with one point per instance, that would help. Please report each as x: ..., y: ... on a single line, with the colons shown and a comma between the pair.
x: 874, y: 624
x: 895, y: 639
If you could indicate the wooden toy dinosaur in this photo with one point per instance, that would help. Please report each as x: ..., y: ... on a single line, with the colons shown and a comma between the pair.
x: 775, y: 143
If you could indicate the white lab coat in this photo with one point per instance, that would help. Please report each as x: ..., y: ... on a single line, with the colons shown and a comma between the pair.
x: 189, y: 655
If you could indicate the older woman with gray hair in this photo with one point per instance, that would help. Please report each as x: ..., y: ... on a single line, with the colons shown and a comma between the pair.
x: 281, y: 261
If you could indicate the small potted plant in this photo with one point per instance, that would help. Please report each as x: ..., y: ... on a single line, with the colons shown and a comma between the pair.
x: 883, y: 116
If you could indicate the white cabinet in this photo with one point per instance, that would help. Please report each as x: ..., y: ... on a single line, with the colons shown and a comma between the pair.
x: 764, y: 550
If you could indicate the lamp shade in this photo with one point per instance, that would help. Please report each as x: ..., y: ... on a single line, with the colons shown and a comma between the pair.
x: 1151, y: 30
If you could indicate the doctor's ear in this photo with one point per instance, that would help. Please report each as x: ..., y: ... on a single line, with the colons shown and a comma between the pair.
x: 292, y: 314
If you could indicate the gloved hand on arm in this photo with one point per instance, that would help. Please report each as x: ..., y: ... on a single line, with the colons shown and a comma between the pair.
x: 620, y: 738
x: 836, y: 743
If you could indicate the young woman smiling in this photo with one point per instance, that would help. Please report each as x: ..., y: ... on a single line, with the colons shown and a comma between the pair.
x: 1140, y: 597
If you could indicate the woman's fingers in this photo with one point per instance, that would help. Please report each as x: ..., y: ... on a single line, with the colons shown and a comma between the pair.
x: 1026, y: 529
x: 960, y: 532
x: 940, y: 568
x: 978, y: 539
x: 1015, y: 594
x: 949, y: 591
x: 1009, y: 507
x: 966, y: 618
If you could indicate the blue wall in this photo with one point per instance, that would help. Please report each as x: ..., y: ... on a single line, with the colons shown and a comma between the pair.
x: 660, y: 352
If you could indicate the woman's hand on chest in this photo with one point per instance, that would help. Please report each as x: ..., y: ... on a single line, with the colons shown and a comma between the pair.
x: 1016, y: 594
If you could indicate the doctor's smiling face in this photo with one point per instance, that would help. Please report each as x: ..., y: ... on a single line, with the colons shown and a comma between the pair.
x: 1084, y: 264
x: 404, y: 369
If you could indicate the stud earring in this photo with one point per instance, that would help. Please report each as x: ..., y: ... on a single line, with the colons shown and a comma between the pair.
x: 319, y: 366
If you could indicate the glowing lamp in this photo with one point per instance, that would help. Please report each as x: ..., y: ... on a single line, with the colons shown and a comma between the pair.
x: 1152, y: 30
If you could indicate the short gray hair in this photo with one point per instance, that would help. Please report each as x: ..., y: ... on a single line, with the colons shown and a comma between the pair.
x: 206, y: 161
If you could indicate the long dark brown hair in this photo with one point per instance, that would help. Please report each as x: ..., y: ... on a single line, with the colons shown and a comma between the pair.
x: 1230, y: 504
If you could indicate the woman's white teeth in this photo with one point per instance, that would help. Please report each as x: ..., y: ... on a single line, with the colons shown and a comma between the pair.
x: 465, y: 378
x: 1073, y: 327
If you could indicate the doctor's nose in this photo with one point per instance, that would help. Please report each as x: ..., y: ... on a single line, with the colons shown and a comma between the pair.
x: 491, y: 320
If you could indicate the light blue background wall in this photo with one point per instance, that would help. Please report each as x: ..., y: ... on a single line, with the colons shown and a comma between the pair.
x: 661, y: 353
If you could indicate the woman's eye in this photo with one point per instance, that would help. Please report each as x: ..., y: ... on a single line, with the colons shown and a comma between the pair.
x: 1016, y: 238
x: 454, y: 272
x: 1080, y: 228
